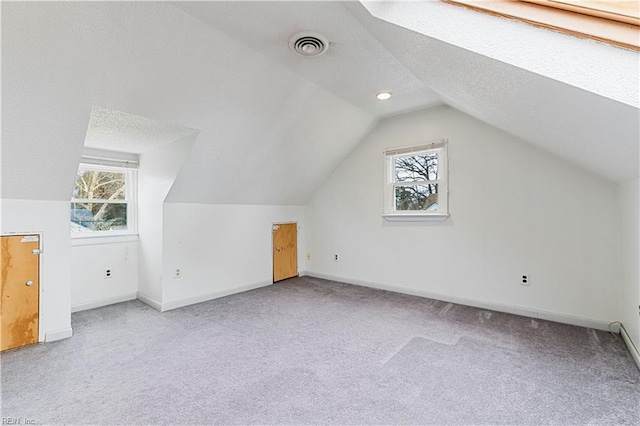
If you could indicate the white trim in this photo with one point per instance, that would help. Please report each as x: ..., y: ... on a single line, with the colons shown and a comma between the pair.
x: 99, y: 157
x: 109, y: 162
x: 99, y: 201
x: 510, y: 309
x: 103, y: 302
x: 92, y: 239
x: 149, y: 301
x: 632, y: 348
x: 389, y: 209
x: 130, y: 200
x: 52, y: 336
x: 415, y: 217
x: 112, y: 156
x: 174, y: 304
x: 413, y: 149
x: 379, y: 286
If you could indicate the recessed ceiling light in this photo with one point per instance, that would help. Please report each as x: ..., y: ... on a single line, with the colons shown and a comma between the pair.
x: 383, y: 96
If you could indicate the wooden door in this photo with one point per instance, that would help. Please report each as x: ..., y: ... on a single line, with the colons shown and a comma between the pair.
x: 285, y: 251
x: 19, y: 307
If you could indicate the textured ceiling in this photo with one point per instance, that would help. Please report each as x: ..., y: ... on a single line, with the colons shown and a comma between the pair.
x: 355, y: 67
x: 118, y: 131
x: 595, y: 67
x: 587, y: 114
x: 272, y: 125
x: 267, y: 135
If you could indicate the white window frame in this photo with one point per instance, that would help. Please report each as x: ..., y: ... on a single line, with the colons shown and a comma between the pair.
x: 390, y: 212
x: 130, y: 198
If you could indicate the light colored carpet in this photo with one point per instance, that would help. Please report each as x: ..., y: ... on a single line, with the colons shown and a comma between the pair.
x: 310, y: 351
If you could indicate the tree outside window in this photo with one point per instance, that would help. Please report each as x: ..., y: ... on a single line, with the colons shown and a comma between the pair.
x: 417, y: 171
x: 100, y: 200
x: 416, y: 181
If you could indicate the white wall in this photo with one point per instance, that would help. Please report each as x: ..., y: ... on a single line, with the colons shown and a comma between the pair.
x: 89, y: 259
x: 221, y: 249
x: 629, y: 194
x: 514, y: 210
x: 157, y: 172
x: 51, y: 218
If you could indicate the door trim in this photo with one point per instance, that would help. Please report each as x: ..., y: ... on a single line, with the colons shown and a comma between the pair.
x: 40, y: 234
x: 297, y: 246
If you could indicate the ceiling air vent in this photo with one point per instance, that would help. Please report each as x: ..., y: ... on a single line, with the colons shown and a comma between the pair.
x: 309, y: 44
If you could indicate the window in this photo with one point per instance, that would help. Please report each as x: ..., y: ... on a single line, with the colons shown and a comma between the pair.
x: 103, y: 201
x: 416, y: 183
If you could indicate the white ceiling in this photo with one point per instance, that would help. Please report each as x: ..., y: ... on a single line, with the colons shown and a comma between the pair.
x: 355, y: 67
x: 157, y: 70
x: 595, y: 67
x: 598, y: 129
x: 118, y: 131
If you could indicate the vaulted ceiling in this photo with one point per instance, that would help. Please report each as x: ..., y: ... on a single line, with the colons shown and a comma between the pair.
x: 272, y: 124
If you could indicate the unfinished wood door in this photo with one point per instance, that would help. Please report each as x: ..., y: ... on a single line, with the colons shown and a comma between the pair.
x: 285, y: 251
x: 19, y: 307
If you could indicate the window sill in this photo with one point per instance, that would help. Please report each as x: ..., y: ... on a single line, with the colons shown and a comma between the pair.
x: 415, y: 217
x: 615, y: 33
x: 87, y: 240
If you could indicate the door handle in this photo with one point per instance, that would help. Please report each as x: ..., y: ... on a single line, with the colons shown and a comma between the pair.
x: 29, y: 283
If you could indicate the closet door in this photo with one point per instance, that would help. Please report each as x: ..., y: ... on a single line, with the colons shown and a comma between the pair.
x: 20, y: 290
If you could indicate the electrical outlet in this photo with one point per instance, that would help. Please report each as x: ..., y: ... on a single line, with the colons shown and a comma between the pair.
x: 526, y: 280
x: 335, y: 257
x: 107, y: 273
x: 177, y: 273
x: 308, y: 256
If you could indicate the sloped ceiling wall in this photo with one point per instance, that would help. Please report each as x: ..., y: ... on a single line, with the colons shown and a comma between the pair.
x: 581, y: 103
x: 355, y: 66
x: 592, y: 66
x: 592, y: 131
x: 117, y: 131
x: 272, y: 128
x: 267, y: 135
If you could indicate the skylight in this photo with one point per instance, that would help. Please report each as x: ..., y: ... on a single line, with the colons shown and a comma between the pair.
x: 627, y: 11
x: 614, y: 22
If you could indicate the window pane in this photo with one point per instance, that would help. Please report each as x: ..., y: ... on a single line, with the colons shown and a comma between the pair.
x: 101, y: 185
x: 417, y: 167
x: 417, y: 197
x: 87, y: 217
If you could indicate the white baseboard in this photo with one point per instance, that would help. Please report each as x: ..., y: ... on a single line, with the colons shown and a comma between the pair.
x: 362, y: 283
x: 52, y: 336
x: 174, y: 304
x: 149, y: 301
x: 103, y: 302
x: 632, y: 348
x: 510, y: 309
